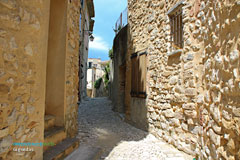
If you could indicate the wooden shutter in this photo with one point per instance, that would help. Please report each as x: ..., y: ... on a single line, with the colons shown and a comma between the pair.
x: 142, y: 76
x: 134, y: 77
x: 139, y: 72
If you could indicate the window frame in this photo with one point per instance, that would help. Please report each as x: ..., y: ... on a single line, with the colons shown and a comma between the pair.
x: 90, y: 64
x: 176, y: 26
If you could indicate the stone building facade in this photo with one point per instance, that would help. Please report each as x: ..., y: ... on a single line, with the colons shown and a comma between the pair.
x: 39, y: 65
x: 86, y: 29
x: 96, y: 71
x: 191, y: 74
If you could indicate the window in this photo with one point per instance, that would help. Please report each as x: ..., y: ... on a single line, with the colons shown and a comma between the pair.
x: 89, y: 64
x: 82, y: 2
x: 80, y: 23
x: 175, y: 15
x: 139, y: 70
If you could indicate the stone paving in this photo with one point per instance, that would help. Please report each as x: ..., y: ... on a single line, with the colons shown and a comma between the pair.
x: 100, y: 127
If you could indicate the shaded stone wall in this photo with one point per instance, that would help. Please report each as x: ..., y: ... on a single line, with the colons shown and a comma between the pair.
x: 102, y: 91
x: 87, y: 24
x: 119, y: 70
x: 193, y: 97
x: 23, y: 52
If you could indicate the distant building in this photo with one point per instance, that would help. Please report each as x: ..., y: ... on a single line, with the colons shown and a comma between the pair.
x: 94, y: 72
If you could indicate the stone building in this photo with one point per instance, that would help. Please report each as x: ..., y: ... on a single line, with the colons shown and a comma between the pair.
x: 86, y: 29
x: 39, y: 65
x: 94, y: 72
x: 182, y: 74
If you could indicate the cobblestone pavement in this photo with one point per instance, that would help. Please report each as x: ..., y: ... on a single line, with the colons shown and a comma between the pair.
x: 100, y: 127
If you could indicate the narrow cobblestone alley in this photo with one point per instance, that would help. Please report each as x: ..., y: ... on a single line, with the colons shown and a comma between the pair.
x: 104, y: 135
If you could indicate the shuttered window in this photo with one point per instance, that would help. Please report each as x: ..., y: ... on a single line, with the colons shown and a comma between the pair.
x: 139, y: 72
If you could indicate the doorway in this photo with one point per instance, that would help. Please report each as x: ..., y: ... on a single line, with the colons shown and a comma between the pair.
x: 55, y: 81
x: 122, y: 83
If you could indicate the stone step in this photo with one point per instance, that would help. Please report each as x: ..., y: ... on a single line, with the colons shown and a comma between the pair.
x: 54, y: 135
x: 85, y: 152
x: 61, y: 150
x: 49, y: 121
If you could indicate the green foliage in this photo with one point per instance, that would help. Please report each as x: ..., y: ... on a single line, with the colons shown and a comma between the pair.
x: 97, y: 83
x: 105, y: 78
x: 118, y: 29
x: 106, y: 75
x: 110, y: 53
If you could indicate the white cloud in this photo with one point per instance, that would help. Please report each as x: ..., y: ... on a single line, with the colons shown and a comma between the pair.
x: 99, y: 44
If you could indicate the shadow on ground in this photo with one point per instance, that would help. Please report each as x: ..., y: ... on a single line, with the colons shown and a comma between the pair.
x: 103, y: 134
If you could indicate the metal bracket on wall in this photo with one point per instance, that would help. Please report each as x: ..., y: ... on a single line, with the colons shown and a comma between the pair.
x: 138, y: 54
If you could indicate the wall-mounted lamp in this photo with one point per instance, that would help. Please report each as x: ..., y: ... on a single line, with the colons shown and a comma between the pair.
x: 90, y: 34
x: 91, y: 37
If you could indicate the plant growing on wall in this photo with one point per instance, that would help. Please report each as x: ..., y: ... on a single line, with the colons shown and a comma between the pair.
x: 118, y: 29
x: 97, y: 83
x: 110, y: 53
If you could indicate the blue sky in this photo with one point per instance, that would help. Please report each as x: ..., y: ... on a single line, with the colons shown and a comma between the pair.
x: 106, y: 14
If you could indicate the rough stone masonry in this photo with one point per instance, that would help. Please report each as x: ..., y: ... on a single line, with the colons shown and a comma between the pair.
x: 24, y: 29
x: 193, y: 96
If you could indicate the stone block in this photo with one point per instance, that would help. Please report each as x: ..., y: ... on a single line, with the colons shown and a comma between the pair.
x: 200, y: 99
x: 11, y: 4
x: 4, y: 89
x: 236, y: 112
x: 231, y: 145
x: 226, y: 115
x: 4, y: 132
x: 28, y: 49
x: 169, y: 113
x: 5, y: 144
x: 30, y: 109
x: 189, y: 106
x: 190, y: 92
x: 190, y: 113
x: 174, y: 122
x: 165, y: 106
x: 12, y: 117
x: 173, y: 80
x: 234, y: 56
x: 215, y: 138
x: 19, y: 132
x: 166, y: 73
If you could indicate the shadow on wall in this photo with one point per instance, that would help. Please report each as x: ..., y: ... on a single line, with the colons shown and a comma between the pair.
x: 137, y: 106
x: 119, y: 70
x: 134, y: 107
x: 102, y: 91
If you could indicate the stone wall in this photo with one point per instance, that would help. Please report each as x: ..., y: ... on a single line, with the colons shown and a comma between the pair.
x: 24, y: 30
x: 119, y: 70
x: 72, y: 68
x: 193, y: 96
x: 23, y: 52
x: 87, y: 13
x: 102, y: 91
